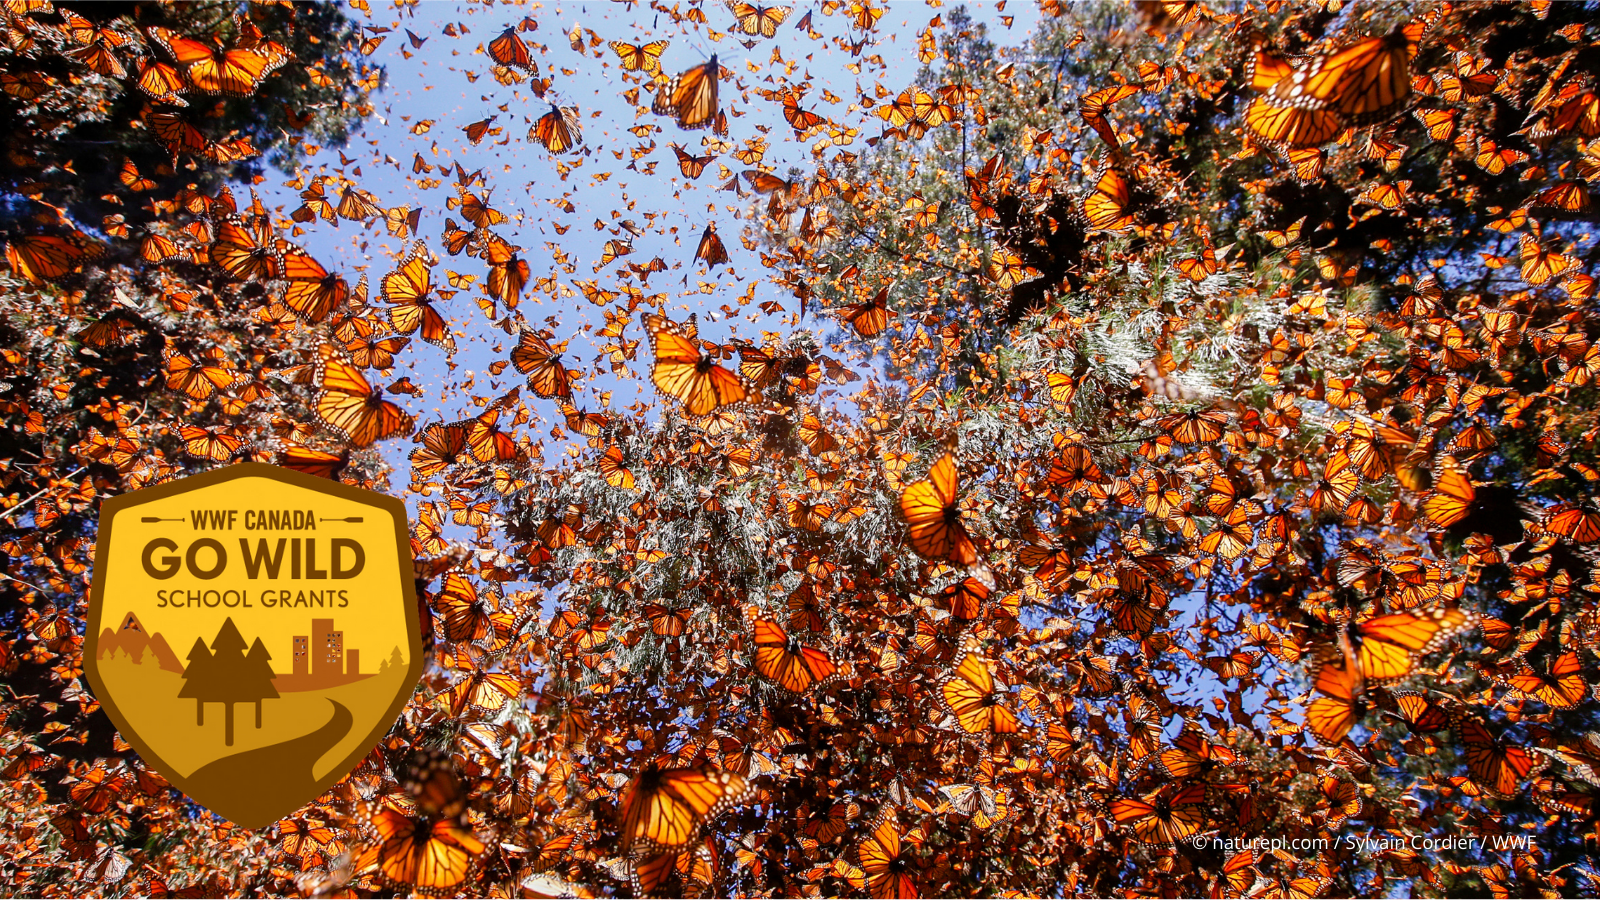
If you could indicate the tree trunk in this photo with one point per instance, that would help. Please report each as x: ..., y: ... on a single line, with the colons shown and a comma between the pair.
x: 258, y: 713
x: 199, y: 712
x: 228, y: 728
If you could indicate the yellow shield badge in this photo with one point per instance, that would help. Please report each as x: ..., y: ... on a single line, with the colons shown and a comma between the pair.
x: 253, y: 632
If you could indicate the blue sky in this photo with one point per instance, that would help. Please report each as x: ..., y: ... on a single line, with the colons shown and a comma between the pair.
x: 447, y: 84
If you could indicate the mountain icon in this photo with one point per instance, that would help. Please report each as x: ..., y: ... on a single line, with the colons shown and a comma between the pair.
x: 132, y: 639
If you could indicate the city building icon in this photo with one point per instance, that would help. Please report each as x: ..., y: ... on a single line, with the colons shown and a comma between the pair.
x: 321, y: 660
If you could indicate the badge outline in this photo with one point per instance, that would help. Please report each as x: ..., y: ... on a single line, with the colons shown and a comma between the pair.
x: 393, y: 506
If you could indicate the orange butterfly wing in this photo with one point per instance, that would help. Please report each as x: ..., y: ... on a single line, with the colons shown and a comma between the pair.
x: 666, y: 808
x: 348, y: 403
x: 794, y: 667
x: 691, y: 97
x: 933, y: 518
x: 682, y: 372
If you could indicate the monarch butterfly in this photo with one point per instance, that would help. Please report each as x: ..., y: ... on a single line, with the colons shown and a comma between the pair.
x: 376, y: 352
x: 1540, y: 265
x: 456, y: 238
x: 1388, y: 646
x: 807, y: 514
x: 983, y: 803
x: 402, y: 221
x: 547, y: 377
x: 320, y: 463
x: 209, y: 443
x: 198, y: 379
x: 1563, y: 688
x: 485, y: 693
x: 710, y: 248
x: 300, y: 839
x: 114, y: 330
x: 313, y: 292
x: 559, y: 130
x: 1343, y: 704
x: 1578, y: 523
x: 1195, y: 426
x: 1494, y: 160
x: 1158, y: 819
x: 1453, y: 495
x: 487, y: 442
x: 41, y: 257
x: 691, y: 166
x: 356, y: 204
x: 431, y: 780
x: 649, y: 875
x: 614, y: 468
x: 1440, y: 123
x: 666, y: 807
x: 965, y: 599
x: 639, y: 57
x: 30, y: 85
x: 428, y: 853
x: 1565, y: 196
x: 667, y: 622
x: 1060, y: 744
x: 1420, y: 711
x: 1198, y: 269
x: 688, y: 375
x: 509, y: 50
x: 1232, y: 537
x: 914, y: 110
x: 1358, y: 85
x: 475, y: 209
x: 805, y: 613
x: 97, y: 55
x: 131, y: 178
x: 582, y: 421
x: 888, y: 873
x: 1581, y: 113
x: 758, y: 21
x: 691, y: 97
x: 1092, y: 108
x: 1497, y: 767
x: 176, y: 134
x: 237, y: 72
x: 346, y: 402
x: 1106, y: 207
x: 1193, y: 755
x: 247, y: 248
x: 1583, y: 756
x: 408, y: 289
x: 801, y: 120
x: 1291, y: 127
x: 1239, y: 664
x: 508, y: 272
x: 1063, y: 388
x: 1137, y: 606
x: 816, y: 438
x: 969, y: 694
x: 780, y: 658
x: 933, y: 516
x: 466, y: 615
x: 869, y: 318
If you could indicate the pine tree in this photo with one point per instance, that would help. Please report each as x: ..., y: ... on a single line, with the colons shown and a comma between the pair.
x: 260, y: 686
x: 197, y: 677
x: 226, y: 675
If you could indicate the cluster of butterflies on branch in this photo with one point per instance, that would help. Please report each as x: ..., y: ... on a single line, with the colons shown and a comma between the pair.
x: 1218, y: 462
